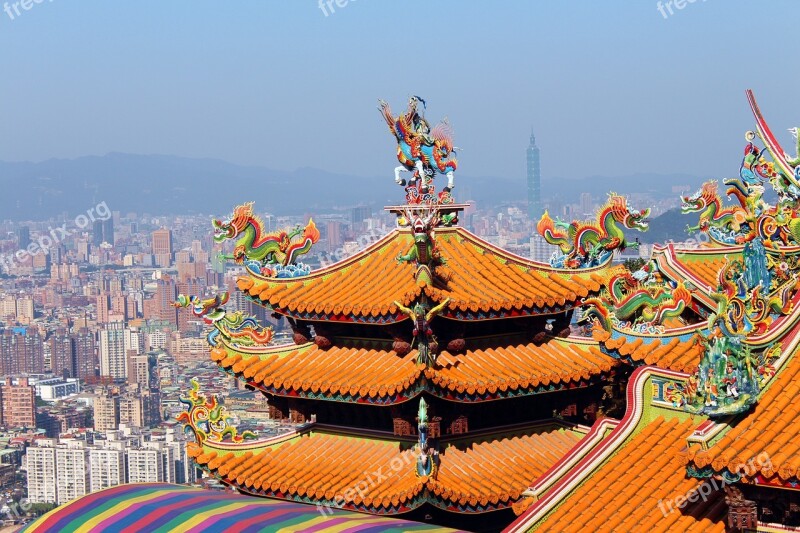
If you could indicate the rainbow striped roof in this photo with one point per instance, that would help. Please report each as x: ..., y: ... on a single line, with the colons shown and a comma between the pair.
x: 150, y: 507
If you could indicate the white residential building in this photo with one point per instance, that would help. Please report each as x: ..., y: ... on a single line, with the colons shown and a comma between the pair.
x: 153, y: 462
x: 112, y: 351
x: 107, y: 468
x: 40, y: 464
x: 72, y: 471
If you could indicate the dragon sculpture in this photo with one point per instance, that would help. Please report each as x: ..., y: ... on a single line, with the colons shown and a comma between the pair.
x: 423, y: 252
x: 707, y: 201
x: 270, y: 254
x: 422, y: 151
x: 745, y: 301
x: 207, y: 419
x: 242, y: 330
x: 636, y: 304
x: 427, y: 455
x: 586, y: 244
x: 209, y: 309
x: 776, y: 225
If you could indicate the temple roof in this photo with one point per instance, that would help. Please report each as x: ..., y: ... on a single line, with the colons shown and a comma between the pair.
x: 162, y: 507
x: 370, y: 372
x: 771, y: 428
x: 481, y: 280
x: 376, y: 472
x: 619, y: 497
x: 679, y: 351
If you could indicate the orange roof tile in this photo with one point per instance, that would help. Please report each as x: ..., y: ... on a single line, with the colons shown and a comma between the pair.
x: 478, y: 278
x: 379, y: 375
x: 765, y: 442
x: 674, y: 353
x: 379, y: 475
x: 620, y: 498
x: 499, y: 470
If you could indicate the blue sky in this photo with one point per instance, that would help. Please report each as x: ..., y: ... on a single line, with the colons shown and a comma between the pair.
x: 610, y: 87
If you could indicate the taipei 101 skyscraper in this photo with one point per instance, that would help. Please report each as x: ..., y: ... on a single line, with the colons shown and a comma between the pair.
x: 534, y: 182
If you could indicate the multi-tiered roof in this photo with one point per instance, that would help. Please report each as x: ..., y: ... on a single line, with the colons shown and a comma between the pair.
x: 419, y: 365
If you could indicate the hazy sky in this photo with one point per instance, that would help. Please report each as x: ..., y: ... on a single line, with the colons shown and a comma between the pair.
x: 610, y: 87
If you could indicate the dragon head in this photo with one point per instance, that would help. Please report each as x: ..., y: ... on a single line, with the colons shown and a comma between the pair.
x: 230, y: 229
x: 630, y: 218
x: 701, y: 199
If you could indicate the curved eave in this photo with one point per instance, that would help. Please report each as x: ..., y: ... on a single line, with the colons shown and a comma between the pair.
x: 372, y: 375
x: 328, y: 465
x: 482, y: 281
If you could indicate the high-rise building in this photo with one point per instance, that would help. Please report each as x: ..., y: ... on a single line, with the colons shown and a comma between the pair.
x: 360, y: 214
x: 586, y: 205
x: 153, y: 462
x: 21, y: 352
x: 18, y: 403
x: 97, y: 232
x: 40, y: 464
x: 160, y: 307
x: 107, y: 468
x: 112, y: 351
x: 139, y: 371
x: 23, y: 237
x: 25, y: 309
x: 334, y: 232
x: 62, y: 357
x: 106, y: 412
x: 72, y: 471
x: 161, y: 247
x: 108, y: 231
x: 534, y: 181
x: 84, y: 347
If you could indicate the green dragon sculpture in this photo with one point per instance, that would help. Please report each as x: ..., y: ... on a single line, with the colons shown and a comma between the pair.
x: 629, y: 303
x: 586, y: 244
x: 280, y: 248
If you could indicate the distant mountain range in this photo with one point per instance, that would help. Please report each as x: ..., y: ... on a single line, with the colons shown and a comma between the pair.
x: 159, y: 184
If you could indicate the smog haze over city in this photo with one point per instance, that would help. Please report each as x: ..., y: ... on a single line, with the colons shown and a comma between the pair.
x: 306, y: 264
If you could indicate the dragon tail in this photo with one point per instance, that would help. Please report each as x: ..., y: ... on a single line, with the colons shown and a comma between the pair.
x: 546, y: 227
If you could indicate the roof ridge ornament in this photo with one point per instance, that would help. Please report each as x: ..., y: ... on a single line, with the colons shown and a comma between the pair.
x: 267, y: 254
x: 586, y: 244
x: 423, y: 151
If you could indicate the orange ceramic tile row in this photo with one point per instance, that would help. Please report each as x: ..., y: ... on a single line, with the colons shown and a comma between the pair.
x: 379, y: 373
x: 675, y: 354
x: 645, y: 497
x: 498, y: 471
x: 324, y: 466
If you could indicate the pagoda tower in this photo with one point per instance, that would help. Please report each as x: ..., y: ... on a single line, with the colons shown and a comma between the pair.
x: 432, y: 375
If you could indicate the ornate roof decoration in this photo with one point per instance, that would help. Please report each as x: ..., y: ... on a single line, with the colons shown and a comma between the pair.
x: 640, y: 301
x: 271, y: 255
x: 207, y: 419
x: 777, y: 226
x: 371, y: 372
x: 592, y: 243
x: 209, y: 309
x: 422, y: 151
x: 375, y: 473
